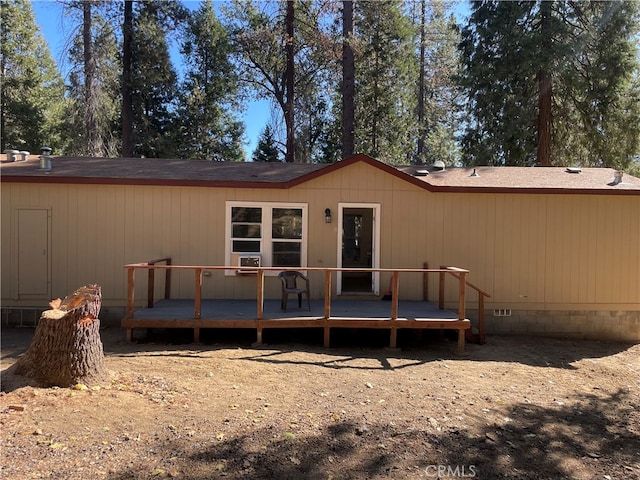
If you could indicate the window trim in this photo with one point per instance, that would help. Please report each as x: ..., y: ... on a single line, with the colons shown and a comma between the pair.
x: 266, y: 241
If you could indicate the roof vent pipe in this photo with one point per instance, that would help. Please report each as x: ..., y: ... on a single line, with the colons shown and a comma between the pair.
x: 11, y: 155
x: 45, y: 158
x: 617, y: 177
x: 474, y: 174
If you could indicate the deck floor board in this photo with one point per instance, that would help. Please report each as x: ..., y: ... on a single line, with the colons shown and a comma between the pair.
x: 246, y: 309
x: 362, y: 313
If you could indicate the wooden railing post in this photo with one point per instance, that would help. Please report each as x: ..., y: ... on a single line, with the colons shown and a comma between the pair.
x: 327, y: 293
x: 167, y: 280
x: 395, y: 293
x: 327, y: 308
x: 395, y: 277
x: 131, y: 271
x: 441, y: 290
x: 150, y: 286
x: 260, y: 293
x: 197, y: 310
x: 425, y: 282
x: 461, y: 295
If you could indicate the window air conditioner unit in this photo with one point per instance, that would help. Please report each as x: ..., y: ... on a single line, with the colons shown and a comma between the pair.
x: 253, y: 261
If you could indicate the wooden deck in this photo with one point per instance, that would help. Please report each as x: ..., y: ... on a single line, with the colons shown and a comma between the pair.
x: 261, y: 313
x: 178, y: 313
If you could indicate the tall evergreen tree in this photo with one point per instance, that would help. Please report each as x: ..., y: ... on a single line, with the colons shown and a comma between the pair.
x: 549, y: 82
x: 94, y: 85
x: 348, y: 81
x: 209, y: 129
x: 154, y: 85
x: 32, y: 91
x: 437, y: 90
x: 127, y: 106
x: 386, y: 72
x: 266, y: 150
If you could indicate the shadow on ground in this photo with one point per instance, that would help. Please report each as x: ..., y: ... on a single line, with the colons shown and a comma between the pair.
x: 414, y: 347
x: 596, y: 437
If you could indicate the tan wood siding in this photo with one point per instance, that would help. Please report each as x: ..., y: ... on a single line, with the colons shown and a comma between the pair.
x: 528, y: 250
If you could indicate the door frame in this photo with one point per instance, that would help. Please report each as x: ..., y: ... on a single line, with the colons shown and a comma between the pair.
x: 375, y: 243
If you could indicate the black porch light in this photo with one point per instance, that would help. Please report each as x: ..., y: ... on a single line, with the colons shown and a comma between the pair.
x: 327, y: 215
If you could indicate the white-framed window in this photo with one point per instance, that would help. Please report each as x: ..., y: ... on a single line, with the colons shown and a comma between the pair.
x: 274, y: 232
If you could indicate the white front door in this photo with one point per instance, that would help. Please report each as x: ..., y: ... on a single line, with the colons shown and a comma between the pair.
x: 358, y: 248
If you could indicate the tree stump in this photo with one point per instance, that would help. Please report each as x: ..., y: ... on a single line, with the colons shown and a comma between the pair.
x: 66, y: 348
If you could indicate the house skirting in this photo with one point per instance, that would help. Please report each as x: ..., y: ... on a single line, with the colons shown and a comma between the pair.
x: 591, y: 325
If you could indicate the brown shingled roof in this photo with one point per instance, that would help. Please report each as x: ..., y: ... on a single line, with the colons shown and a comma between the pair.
x: 152, y: 171
x: 155, y: 171
x: 508, y: 179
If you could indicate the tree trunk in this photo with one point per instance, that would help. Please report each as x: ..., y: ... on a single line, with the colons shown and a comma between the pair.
x: 544, y: 119
x: 348, y: 82
x: 545, y: 95
x: 127, y: 105
x: 93, y: 147
x: 422, y: 132
x: 66, y: 348
x: 289, y: 116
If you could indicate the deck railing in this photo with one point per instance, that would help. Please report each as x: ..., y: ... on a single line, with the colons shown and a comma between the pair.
x: 151, y: 281
x: 458, y: 273
x: 455, y: 272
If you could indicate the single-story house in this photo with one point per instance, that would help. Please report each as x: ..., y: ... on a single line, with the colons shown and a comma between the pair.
x: 557, y: 248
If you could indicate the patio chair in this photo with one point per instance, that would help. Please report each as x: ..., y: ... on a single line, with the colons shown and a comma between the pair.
x: 290, y: 284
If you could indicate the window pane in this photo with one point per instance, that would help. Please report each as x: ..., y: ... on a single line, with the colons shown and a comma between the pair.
x: 246, y: 214
x: 246, y: 231
x: 287, y: 223
x: 286, y: 254
x: 243, y: 246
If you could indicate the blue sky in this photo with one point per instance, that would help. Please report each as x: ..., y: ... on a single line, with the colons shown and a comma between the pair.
x: 56, y: 30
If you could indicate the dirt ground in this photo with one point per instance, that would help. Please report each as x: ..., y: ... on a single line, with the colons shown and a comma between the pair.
x: 516, y: 408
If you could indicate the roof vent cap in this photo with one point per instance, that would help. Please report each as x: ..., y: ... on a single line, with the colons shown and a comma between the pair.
x: 617, y: 178
x: 574, y: 170
x: 438, y: 165
x: 421, y: 173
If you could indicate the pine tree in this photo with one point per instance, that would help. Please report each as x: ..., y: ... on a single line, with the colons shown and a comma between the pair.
x: 386, y: 72
x: 550, y: 82
x: 94, y: 102
x: 348, y: 82
x: 209, y: 128
x: 438, y: 98
x: 32, y: 91
x: 154, y: 85
x: 266, y: 150
x: 260, y: 38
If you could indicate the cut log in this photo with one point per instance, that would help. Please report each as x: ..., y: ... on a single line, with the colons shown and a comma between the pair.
x: 66, y: 348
